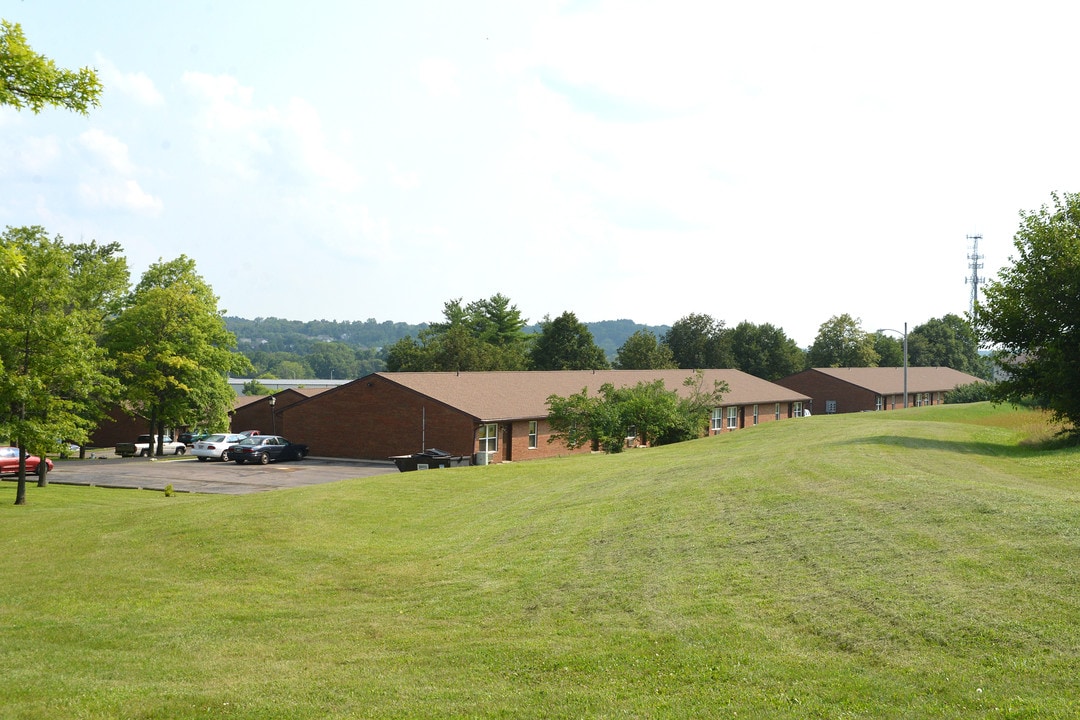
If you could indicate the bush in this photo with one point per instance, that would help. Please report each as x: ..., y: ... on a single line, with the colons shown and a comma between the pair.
x: 972, y: 392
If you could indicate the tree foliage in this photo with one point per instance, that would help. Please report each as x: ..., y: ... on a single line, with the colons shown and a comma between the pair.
x: 647, y: 411
x: 31, y: 80
x: 841, y: 342
x: 54, y: 381
x: 483, y: 335
x: 642, y: 351
x: 565, y: 343
x: 698, y: 341
x: 949, y: 341
x: 765, y: 351
x: 172, y: 349
x: 1030, y: 314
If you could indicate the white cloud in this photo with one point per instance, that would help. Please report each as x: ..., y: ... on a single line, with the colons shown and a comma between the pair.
x: 136, y: 85
x: 402, y: 179
x: 38, y: 154
x: 438, y: 76
x: 304, y: 127
x: 244, y: 138
x: 119, y: 194
x: 107, y: 148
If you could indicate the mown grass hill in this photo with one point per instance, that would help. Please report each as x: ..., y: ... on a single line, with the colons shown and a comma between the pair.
x: 907, y: 564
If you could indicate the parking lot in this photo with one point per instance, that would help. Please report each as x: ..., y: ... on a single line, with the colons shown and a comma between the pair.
x: 186, y: 474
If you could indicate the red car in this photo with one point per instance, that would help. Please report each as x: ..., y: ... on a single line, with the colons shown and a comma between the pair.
x: 9, y: 462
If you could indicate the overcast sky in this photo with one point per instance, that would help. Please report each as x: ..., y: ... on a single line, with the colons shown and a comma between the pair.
x: 779, y: 162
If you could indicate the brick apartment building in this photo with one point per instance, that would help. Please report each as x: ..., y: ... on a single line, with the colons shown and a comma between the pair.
x: 501, y: 414
x: 846, y: 390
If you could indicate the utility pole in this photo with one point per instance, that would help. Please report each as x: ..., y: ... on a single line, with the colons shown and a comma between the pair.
x: 975, y: 264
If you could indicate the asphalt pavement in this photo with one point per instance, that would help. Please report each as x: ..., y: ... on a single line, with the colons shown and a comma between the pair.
x: 187, y: 474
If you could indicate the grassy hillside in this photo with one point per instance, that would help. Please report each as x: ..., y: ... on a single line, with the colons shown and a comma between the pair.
x: 922, y: 563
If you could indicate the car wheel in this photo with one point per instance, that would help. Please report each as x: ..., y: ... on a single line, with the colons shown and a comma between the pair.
x: 145, y: 453
x: 264, y: 459
x: 202, y: 458
x: 181, y: 450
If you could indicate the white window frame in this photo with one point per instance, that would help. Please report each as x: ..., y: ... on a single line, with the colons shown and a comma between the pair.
x: 796, y: 408
x: 717, y: 419
x: 777, y: 411
x: 879, y: 404
x: 733, y: 417
x: 488, y: 437
x: 755, y: 414
x: 533, y: 434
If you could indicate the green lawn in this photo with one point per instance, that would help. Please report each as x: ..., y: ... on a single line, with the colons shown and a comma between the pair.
x: 909, y: 564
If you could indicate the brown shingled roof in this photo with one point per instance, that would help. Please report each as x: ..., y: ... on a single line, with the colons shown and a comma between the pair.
x: 890, y: 380
x: 495, y: 396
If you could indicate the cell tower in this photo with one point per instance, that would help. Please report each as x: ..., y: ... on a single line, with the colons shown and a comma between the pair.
x: 975, y: 264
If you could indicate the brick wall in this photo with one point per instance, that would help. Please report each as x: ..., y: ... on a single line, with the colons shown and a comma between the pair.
x: 375, y: 419
x: 823, y: 388
x: 118, y: 426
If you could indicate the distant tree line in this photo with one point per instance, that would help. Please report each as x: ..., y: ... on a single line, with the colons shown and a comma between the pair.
x: 491, y: 334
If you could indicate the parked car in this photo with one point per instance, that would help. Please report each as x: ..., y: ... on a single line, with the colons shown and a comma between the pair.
x: 264, y: 448
x: 190, y: 438
x: 215, y: 446
x: 9, y: 462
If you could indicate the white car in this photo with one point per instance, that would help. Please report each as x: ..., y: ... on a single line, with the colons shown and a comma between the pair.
x: 214, y: 447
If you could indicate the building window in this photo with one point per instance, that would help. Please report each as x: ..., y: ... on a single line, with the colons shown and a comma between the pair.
x: 879, y: 404
x: 755, y: 414
x: 717, y: 419
x: 489, y: 437
x: 532, y: 434
x: 796, y: 409
x: 830, y: 407
x: 777, y: 411
x: 732, y: 418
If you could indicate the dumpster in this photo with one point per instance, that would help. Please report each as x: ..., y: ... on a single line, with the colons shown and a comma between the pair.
x: 426, y: 460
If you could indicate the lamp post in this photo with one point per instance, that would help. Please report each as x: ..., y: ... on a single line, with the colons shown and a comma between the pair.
x: 904, y: 333
x: 273, y: 417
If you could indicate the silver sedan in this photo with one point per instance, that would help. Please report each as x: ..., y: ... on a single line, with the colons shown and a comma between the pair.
x: 215, y: 447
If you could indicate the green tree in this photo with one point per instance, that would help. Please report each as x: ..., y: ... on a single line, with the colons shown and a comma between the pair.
x: 483, y: 335
x: 642, y: 351
x: 580, y: 419
x: 54, y: 379
x: 30, y: 80
x: 1030, y: 314
x: 172, y: 350
x: 565, y: 343
x: 765, y: 351
x: 698, y: 341
x: 949, y: 341
x: 333, y: 360
x: 890, y: 350
x: 841, y: 342
x: 655, y: 414
x: 254, y: 387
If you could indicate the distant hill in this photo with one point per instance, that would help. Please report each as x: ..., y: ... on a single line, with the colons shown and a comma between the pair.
x: 299, y: 336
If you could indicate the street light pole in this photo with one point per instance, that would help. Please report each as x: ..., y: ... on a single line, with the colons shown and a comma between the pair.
x: 904, y: 333
x: 273, y: 417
